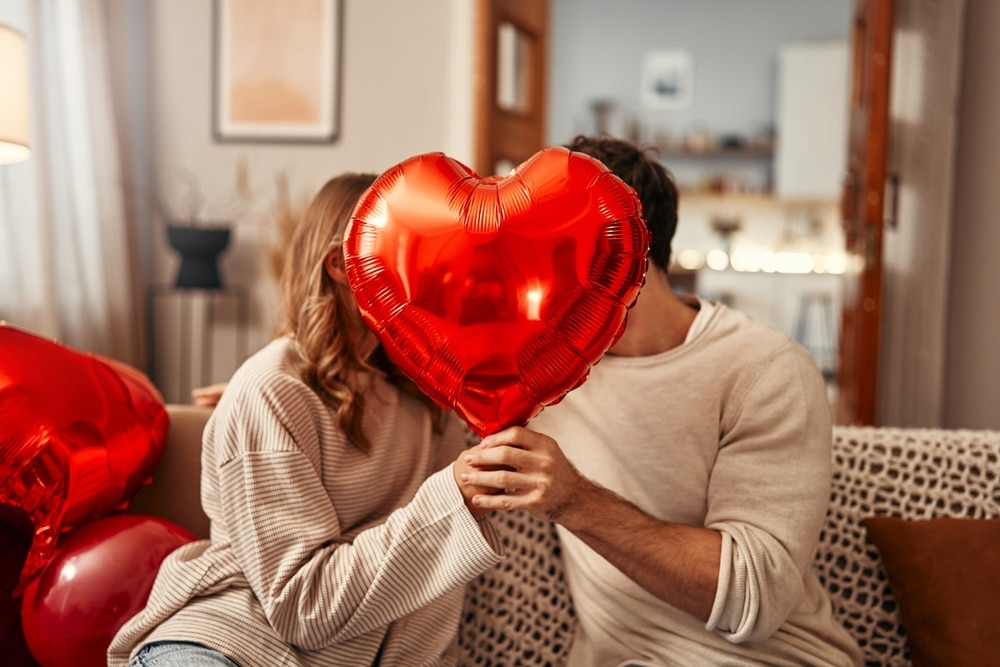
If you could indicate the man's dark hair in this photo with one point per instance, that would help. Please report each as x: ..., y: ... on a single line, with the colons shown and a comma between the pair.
x: 651, y: 181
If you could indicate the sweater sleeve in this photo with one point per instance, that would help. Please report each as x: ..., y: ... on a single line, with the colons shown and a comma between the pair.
x: 768, y: 493
x: 315, y: 587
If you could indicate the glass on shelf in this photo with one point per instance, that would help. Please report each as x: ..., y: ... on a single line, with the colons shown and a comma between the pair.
x: 725, y: 227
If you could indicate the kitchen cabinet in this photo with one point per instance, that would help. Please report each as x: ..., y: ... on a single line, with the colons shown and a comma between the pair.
x: 811, y: 149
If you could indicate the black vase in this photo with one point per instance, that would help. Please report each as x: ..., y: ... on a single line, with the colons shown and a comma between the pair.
x: 200, y: 248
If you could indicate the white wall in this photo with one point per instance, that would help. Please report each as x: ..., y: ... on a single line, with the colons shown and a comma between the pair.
x: 925, y: 78
x: 406, y: 89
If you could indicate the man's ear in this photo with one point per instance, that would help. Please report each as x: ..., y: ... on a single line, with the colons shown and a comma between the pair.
x: 334, y: 264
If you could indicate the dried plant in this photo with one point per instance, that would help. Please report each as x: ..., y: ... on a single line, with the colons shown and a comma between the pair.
x: 193, y: 210
x: 285, y: 219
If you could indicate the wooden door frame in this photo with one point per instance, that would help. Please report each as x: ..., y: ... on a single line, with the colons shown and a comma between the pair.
x: 863, y: 208
x: 502, y: 134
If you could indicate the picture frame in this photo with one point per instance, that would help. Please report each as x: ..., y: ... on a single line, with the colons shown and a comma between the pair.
x: 276, y: 70
x: 667, y: 80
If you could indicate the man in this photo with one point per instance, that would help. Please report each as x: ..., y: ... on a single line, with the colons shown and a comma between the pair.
x: 689, y: 477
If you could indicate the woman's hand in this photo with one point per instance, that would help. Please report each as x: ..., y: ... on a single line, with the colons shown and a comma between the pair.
x: 469, y: 491
x: 208, y: 397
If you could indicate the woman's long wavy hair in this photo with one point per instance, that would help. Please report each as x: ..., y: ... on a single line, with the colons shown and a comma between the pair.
x: 320, y: 313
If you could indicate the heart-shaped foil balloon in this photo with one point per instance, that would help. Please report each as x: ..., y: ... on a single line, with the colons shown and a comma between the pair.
x: 497, y: 295
x: 79, y: 435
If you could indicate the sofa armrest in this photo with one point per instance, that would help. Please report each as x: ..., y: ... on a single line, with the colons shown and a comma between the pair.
x: 175, y: 491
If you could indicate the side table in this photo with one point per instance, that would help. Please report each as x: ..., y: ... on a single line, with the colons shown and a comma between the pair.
x: 186, y: 328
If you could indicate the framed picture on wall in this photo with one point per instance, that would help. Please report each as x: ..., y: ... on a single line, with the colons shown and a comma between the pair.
x: 276, y: 70
x: 667, y: 80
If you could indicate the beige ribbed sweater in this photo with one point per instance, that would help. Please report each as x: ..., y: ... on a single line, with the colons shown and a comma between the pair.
x: 319, y: 554
x: 731, y: 431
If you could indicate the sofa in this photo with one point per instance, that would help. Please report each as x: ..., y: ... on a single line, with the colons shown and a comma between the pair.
x: 910, y: 552
x: 933, y: 495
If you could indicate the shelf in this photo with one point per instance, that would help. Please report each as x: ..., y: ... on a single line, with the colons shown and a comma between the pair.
x: 718, y: 152
x: 701, y: 199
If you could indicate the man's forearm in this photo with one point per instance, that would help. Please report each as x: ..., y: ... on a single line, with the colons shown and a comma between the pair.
x: 675, y: 562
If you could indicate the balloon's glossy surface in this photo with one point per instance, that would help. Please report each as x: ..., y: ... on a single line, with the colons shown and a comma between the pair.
x: 80, y: 435
x: 497, y: 295
x: 99, y: 576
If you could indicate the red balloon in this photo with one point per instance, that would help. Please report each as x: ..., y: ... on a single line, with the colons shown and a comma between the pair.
x: 81, y: 434
x: 99, y: 576
x: 497, y: 295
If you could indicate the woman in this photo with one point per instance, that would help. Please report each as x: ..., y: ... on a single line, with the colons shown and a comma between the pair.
x: 340, y: 534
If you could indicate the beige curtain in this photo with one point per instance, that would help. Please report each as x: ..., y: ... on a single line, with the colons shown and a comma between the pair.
x: 68, y: 258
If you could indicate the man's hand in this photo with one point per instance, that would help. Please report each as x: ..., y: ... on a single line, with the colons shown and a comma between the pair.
x: 527, y: 470
x: 523, y: 470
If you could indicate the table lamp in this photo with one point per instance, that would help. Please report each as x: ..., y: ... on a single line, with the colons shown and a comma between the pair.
x: 13, y: 96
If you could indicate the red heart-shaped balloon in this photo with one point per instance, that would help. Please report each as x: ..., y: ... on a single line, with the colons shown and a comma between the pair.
x: 80, y: 435
x: 497, y: 295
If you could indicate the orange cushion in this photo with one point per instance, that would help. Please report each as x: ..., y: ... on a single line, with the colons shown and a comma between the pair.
x: 945, y: 576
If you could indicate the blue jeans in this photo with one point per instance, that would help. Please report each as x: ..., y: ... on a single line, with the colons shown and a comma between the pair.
x: 179, y: 654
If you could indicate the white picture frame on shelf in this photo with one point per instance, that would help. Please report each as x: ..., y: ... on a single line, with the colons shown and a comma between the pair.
x: 667, y: 80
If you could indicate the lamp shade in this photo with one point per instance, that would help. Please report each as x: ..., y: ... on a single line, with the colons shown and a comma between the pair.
x: 13, y: 96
